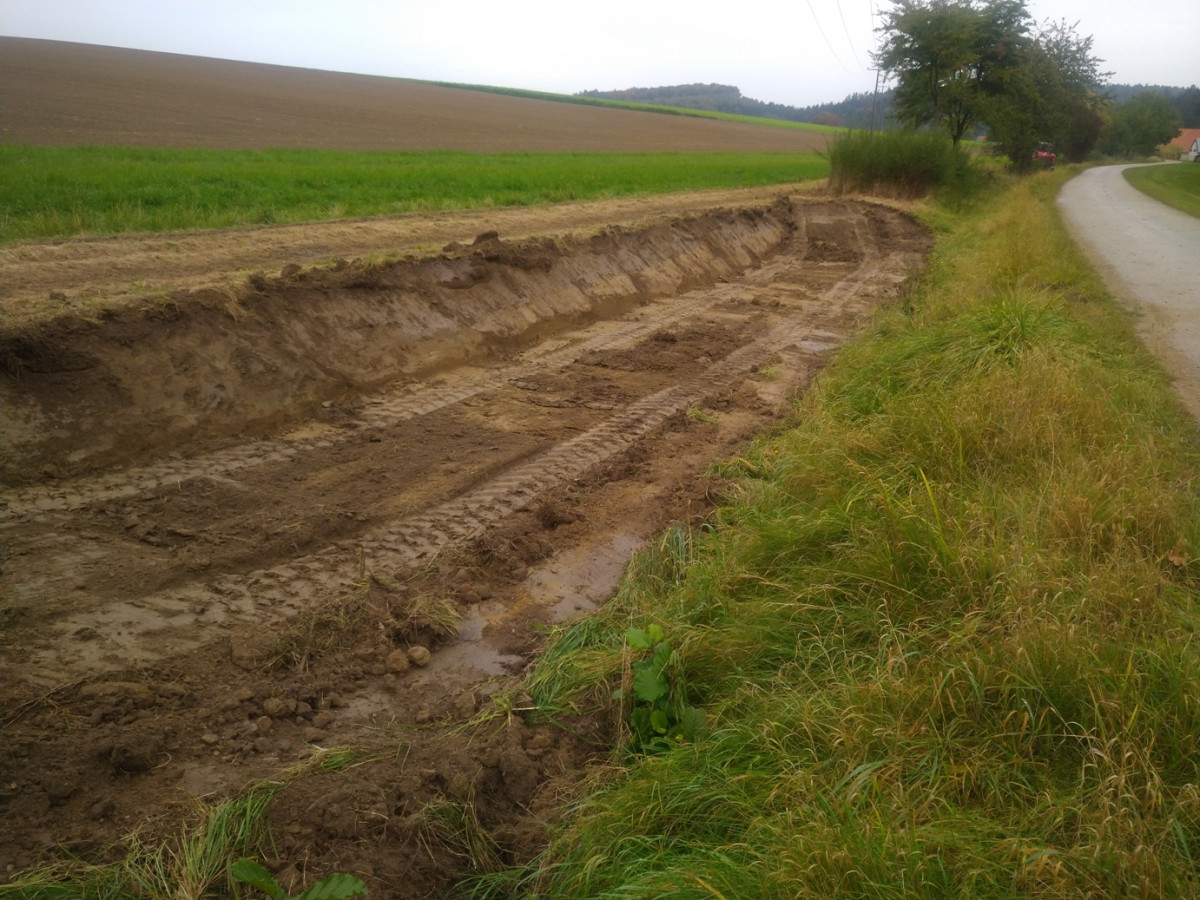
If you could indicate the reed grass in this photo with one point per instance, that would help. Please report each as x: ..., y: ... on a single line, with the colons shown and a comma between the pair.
x: 901, y: 164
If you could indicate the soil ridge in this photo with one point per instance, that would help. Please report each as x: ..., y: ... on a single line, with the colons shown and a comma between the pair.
x: 80, y: 394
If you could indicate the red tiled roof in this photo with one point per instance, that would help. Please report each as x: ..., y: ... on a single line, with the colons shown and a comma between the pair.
x: 1186, y: 136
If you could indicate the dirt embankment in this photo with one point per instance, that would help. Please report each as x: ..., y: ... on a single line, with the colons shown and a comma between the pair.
x: 335, y: 504
x: 199, y: 365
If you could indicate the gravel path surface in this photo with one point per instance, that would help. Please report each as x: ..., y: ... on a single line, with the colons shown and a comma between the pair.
x: 1149, y: 254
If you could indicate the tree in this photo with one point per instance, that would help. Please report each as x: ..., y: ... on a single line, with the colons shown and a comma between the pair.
x: 1140, y: 125
x: 959, y: 63
x: 1015, y: 115
x: 1055, y: 93
x: 1075, y: 88
x: 1187, y: 102
x: 949, y: 57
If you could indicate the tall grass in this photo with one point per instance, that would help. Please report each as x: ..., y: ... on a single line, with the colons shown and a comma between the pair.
x: 61, y: 191
x: 899, y: 164
x: 945, y: 628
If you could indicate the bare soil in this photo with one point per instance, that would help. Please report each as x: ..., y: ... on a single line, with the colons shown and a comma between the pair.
x: 338, y: 503
x: 270, y: 491
x: 54, y: 92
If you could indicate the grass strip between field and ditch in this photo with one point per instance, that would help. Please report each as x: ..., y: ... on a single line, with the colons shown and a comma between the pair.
x: 55, y: 192
x: 942, y: 632
x: 1175, y: 185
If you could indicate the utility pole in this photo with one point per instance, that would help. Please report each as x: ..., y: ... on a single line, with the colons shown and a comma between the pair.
x: 874, y: 101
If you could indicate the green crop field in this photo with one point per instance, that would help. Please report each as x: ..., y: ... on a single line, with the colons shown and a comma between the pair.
x: 50, y: 192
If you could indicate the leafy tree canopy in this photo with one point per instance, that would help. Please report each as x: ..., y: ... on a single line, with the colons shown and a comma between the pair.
x: 960, y: 63
x: 949, y: 56
x: 1140, y: 125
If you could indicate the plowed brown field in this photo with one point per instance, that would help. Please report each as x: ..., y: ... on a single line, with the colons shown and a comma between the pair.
x: 59, y: 93
x: 333, y: 503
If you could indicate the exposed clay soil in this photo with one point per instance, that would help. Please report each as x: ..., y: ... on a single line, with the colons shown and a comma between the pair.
x: 236, y: 519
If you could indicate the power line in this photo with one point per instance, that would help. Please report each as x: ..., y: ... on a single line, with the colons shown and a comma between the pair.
x: 878, y: 72
x: 813, y: 13
x: 842, y: 16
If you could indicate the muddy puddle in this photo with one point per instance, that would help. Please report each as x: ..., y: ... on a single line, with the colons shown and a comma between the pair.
x: 341, y: 505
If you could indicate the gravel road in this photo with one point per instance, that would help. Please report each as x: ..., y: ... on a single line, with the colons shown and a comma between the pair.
x: 1149, y: 254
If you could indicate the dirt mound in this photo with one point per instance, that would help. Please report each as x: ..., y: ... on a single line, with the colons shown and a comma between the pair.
x: 413, y: 467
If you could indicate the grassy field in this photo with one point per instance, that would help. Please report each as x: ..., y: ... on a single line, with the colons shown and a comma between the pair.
x: 48, y: 192
x: 1177, y: 186
x: 941, y: 637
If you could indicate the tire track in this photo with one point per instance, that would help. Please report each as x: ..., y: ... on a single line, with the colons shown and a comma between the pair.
x: 381, y: 411
x: 395, y: 406
x: 131, y: 632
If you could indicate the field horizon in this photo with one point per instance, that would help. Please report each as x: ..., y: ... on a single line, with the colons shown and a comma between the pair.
x: 60, y: 93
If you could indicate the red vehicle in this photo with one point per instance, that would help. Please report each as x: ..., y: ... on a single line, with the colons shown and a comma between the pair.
x: 1045, y: 155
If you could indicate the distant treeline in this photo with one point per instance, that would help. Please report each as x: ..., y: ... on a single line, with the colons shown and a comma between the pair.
x: 853, y: 112
x: 1185, y: 100
x: 858, y: 110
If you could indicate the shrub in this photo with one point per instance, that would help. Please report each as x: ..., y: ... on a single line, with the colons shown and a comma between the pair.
x: 899, y: 164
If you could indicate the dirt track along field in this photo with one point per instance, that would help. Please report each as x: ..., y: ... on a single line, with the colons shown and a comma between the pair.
x: 270, y: 491
x: 87, y: 275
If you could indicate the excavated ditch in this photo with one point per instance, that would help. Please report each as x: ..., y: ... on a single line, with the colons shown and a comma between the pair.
x: 336, y: 506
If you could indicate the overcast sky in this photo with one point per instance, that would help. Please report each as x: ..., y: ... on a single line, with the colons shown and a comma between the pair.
x: 798, y: 52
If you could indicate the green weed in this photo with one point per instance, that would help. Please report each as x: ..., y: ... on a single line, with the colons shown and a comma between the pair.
x: 901, y: 164
x: 659, y: 714
x: 337, y: 886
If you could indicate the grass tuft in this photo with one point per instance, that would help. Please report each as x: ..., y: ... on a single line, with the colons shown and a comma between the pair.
x: 192, y: 864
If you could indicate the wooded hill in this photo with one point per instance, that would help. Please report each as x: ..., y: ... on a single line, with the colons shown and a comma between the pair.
x: 855, y: 111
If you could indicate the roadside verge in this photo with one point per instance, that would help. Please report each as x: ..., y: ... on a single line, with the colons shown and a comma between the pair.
x: 941, y: 634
